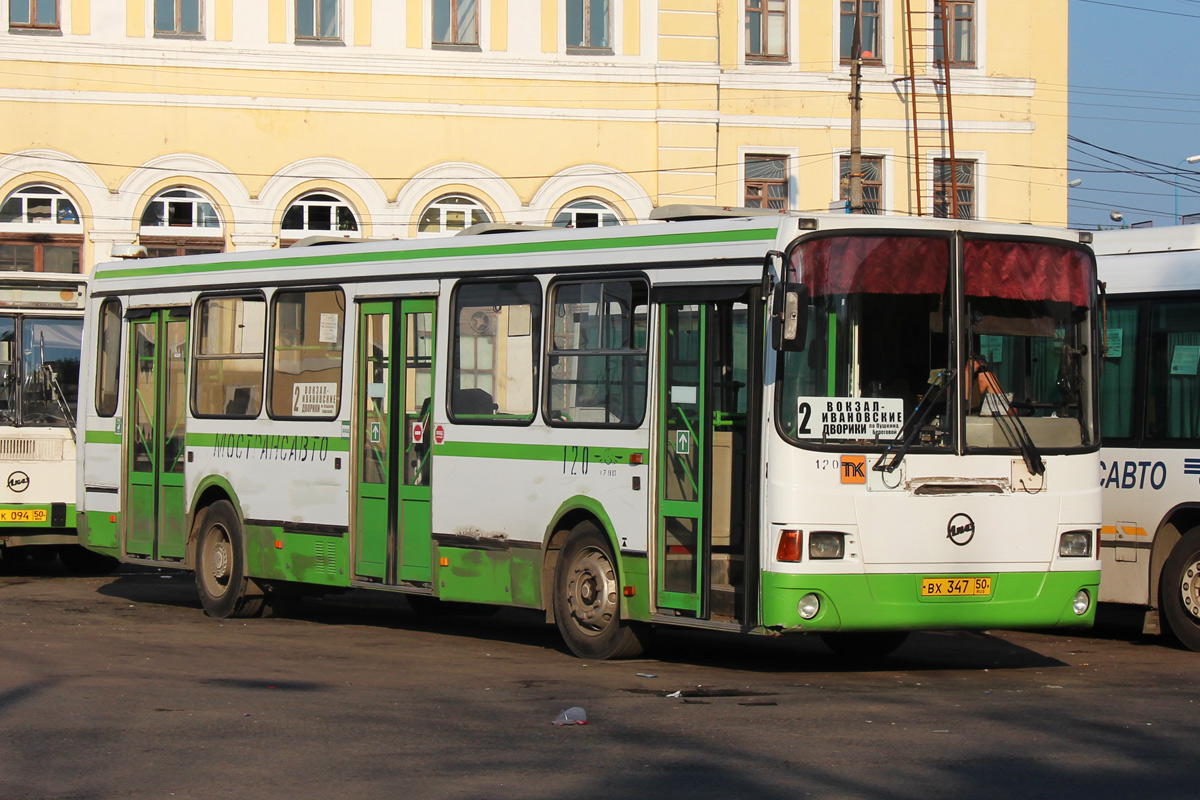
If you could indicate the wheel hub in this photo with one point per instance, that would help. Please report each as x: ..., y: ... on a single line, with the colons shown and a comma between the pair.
x: 1189, y: 589
x: 592, y: 594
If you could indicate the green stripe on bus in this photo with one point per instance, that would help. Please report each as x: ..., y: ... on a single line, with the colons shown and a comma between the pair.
x: 331, y: 259
x: 102, y: 437
x: 539, y: 452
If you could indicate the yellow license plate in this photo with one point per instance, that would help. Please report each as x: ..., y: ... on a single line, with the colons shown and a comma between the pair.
x: 22, y: 515
x: 956, y: 587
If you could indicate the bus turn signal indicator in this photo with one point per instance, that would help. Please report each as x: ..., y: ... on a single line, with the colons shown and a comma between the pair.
x: 789, y: 546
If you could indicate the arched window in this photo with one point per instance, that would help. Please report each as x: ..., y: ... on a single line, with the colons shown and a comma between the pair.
x: 317, y: 213
x: 451, y: 213
x: 40, y: 231
x: 586, y: 214
x: 181, y: 222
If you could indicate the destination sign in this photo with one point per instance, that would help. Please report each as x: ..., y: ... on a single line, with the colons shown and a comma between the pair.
x: 849, y: 417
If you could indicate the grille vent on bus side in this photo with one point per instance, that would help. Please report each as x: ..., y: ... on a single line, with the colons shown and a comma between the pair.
x: 326, y: 555
x: 32, y: 449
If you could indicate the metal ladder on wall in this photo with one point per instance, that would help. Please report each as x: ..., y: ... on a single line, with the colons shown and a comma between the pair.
x: 930, y: 111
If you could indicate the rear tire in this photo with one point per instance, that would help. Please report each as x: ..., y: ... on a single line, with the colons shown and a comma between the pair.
x: 80, y: 561
x: 864, y: 646
x: 587, y: 599
x: 1179, y: 590
x: 220, y: 563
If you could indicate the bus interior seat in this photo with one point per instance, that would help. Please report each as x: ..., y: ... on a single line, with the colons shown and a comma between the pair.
x: 473, y: 401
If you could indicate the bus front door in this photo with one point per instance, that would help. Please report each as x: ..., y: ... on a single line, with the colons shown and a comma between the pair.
x: 392, y: 509
x: 707, y: 446
x: 155, y: 512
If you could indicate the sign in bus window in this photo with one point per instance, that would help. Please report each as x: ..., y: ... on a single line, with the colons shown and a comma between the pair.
x: 306, y: 357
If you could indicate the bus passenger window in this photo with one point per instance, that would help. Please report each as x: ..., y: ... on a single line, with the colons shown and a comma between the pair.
x: 229, y: 356
x: 497, y: 327
x: 306, y: 354
x: 596, y: 361
x: 108, y: 359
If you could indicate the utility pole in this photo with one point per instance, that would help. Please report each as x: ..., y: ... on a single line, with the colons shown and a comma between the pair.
x: 856, y: 192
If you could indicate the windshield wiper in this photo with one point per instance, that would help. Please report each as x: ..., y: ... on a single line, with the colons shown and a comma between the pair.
x: 60, y: 397
x: 1011, y: 426
x: 912, y: 429
x: 1017, y: 434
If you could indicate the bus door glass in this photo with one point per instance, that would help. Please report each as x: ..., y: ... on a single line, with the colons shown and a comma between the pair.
x: 392, y: 518
x: 706, y: 438
x: 155, y: 518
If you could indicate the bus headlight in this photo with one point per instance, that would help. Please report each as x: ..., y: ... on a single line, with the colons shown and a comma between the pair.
x: 809, y: 606
x: 1075, y: 544
x: 826, y: 544
x: 1081, y: 603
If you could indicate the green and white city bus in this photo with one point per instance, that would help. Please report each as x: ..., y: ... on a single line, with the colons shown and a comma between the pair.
x: 41, y: 325
x: 752, y: 423
x: 1150, y: 410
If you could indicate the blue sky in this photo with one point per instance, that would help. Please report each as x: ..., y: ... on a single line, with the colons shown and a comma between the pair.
x: 1134, y: 94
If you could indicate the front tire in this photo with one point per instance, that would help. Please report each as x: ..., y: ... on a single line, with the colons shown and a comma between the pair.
x: 220, y: 563
x: 587, y: 599
x: 1179, y: 590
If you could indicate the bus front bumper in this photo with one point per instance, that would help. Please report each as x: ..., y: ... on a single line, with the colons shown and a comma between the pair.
x: 882, y: 602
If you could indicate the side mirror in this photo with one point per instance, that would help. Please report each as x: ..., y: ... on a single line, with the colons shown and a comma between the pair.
x: 789, y: 317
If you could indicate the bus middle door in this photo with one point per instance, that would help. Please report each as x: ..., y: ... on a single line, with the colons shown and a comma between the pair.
x: 155, y: 518
x: 706, y: 452
x: 392, y: 506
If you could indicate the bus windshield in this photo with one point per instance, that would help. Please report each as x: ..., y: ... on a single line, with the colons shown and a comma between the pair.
x: 885, y: 352
x: 1028, y: 356
x: 876, y: 346
x: 39, y: 370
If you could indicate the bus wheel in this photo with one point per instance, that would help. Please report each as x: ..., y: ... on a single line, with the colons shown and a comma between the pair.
x: 220, y: 561
x: 1180, y: 590
x: 80, y: 561
x: 864, y: 646
x: 587, y: 599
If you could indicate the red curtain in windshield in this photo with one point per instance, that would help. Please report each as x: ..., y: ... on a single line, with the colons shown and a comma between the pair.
x: 874, y: 264
x: 1027, y: 271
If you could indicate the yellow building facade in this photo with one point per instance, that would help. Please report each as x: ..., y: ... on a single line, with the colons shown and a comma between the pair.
x: 221, y: 125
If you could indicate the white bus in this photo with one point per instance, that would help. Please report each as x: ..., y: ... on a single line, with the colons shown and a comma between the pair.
x: 746, y: 423
x: 1150, y: 412
x: 41, y: 324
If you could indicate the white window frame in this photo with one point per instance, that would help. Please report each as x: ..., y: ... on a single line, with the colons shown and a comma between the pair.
x: 316, y: 38
x: 792, y: 154
x: 442, y: 205
x: 56, y: 196
x: 587, y: 205
x: 887, y: 198
x: 886, y: 35
x: 979, y: 157
x: 980, y: 40
x: 317, y: 198
x: 185, y: 195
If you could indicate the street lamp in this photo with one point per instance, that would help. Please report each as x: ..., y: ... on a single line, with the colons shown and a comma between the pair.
x: 1179, y: 166
x: 1074, y: 183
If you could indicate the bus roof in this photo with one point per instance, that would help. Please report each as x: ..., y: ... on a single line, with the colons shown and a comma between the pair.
x: 1142, y: 260
x: 695, y: 242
